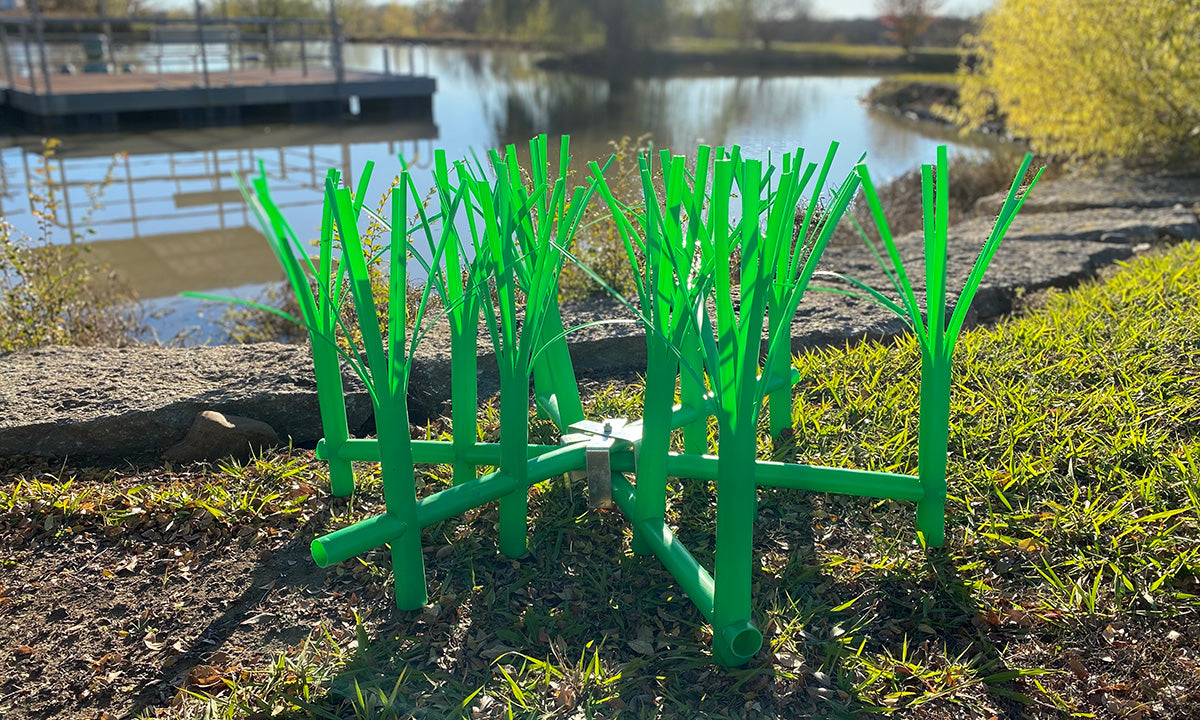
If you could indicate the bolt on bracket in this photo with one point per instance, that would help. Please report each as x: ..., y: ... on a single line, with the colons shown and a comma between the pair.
x: 600, y: 437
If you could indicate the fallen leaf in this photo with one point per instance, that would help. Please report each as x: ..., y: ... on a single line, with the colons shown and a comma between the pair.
x: 1109, y: 634
x: 204, y: 676
x: 1077, y: 667
x: 151, y: 641
x: 788, y: 660
x: 565, y: 698
x: 1030, y: 545
x: 642, y: 646
x: 1018, y: 617
x: 24, y: 650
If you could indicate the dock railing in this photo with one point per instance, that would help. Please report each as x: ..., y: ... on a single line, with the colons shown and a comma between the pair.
x: 36, y: 48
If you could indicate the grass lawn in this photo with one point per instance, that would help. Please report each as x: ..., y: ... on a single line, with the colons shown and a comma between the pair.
x: 1067, y: 587
x: 718, y: 45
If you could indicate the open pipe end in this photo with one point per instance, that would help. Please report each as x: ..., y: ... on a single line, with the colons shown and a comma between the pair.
x: 736, y: 643
x: 320, y: 557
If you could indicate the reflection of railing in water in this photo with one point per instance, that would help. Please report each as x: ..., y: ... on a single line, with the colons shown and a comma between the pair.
x: 175, y: 221
x: 303, y: 165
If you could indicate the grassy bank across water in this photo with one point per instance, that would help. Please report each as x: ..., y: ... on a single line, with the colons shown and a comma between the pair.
x: 1069, y: 582
x: 694, y: 56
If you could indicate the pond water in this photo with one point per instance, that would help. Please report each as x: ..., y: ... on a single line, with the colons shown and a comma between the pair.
x: 163, y: 208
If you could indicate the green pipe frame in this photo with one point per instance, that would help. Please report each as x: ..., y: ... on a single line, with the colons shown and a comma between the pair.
x: 503, y: 272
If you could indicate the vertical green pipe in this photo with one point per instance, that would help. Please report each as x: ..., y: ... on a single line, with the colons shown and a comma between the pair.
x: 400, y: 494
x: 514, y: 458
x: 464, y: 395
x: 332, y: 403
x: 658, y: 403
x: 932, y: 447
x: 735, y: 639
x: 691, y: 394
x: 780, y: 401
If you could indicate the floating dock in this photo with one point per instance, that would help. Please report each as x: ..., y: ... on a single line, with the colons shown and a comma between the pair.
x: 63, y: 79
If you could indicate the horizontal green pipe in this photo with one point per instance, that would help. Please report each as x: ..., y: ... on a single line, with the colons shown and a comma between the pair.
x: 461, y: 498
x: 473, y: 493
x: 558, y: 461
x: 424, y: 451
x: 694, y: 579
x: 357, y: 538
x: 848, y: 481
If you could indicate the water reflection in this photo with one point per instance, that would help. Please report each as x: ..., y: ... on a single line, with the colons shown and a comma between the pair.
x: 165, y: 208
x: 171, y: 218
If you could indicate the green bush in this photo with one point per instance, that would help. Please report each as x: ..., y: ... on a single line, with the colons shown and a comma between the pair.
x: 49, y: 293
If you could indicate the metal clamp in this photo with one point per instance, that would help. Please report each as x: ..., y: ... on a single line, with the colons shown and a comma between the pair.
x: 600, y: 437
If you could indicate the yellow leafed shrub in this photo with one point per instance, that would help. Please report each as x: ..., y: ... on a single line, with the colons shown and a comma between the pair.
x: 1092, y: 77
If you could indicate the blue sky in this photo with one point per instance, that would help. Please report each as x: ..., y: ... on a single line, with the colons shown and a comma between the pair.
x: 869, y: 8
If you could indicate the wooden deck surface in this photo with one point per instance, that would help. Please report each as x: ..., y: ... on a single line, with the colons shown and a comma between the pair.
x: 87, y: 83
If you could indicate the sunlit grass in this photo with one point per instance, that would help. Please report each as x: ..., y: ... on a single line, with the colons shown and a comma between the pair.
x: 1073, y: 522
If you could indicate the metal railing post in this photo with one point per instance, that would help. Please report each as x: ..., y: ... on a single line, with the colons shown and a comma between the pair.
x: 8, y: 68
x: 335, y: 47
x: 203, y: 49
x: 303, y: 54
x: 271, y: 45
x: 40, y: 36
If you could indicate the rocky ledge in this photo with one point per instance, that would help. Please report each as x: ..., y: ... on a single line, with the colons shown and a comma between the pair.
x: 106, y: 405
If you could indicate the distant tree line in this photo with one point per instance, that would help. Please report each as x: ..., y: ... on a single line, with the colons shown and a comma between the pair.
x: 618, y: 26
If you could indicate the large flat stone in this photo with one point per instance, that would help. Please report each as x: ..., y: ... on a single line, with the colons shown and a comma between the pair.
x: 1084, y: 192
x: 117, y: 403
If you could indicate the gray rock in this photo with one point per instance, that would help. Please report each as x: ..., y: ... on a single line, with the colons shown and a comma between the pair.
x: 1085, y: 192
x: 214, y: 436
x: 105, y: 404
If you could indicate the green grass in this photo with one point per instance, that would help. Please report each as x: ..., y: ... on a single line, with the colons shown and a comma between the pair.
x: 953, y: 80
x: 841, y: 50
x: 1068, y: 584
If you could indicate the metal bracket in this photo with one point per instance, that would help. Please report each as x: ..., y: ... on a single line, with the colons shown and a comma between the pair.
x: 600, y: 437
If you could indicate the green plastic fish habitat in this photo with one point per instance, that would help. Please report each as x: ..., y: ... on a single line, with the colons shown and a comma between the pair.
x: 492, y: 242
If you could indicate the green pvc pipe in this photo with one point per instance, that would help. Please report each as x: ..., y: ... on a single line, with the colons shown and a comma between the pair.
x: 331, y: 402
x: 493, y: 486
x: 356, y: 539
x: 814, y: 478
x: 556, y: 462
x: 464, y: 496
x: 932, y: 446
x: 779, y: 400
x: 691, y: 394
x: 514, y: 454
x: 659, y: 397
x: 696, y: 582
x: 433, y: 452
x: 464, y: 394
x: 400, y: 494
x: 735, y: 639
